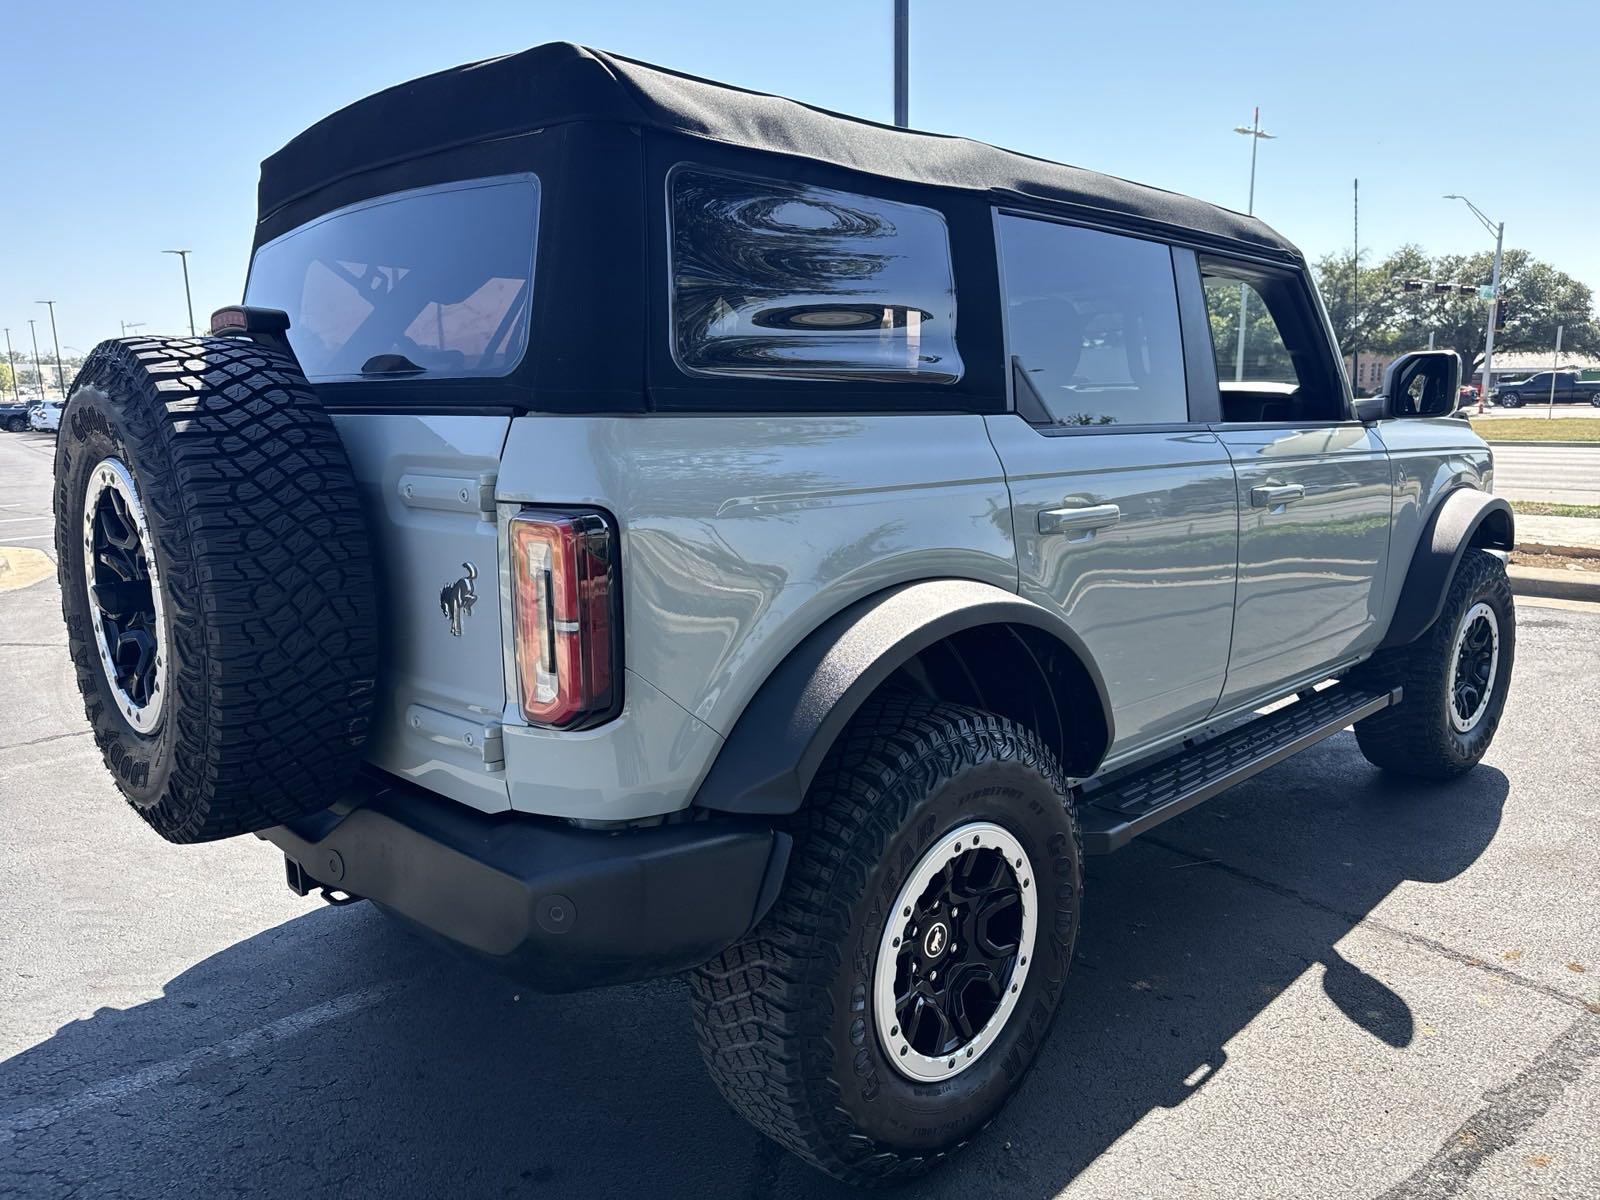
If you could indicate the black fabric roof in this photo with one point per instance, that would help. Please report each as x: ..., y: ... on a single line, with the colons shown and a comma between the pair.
x: 560, y: 82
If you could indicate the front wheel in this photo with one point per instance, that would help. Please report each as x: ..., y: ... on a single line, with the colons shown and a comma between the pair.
x: 1456, y: 678
x: 899, y: 991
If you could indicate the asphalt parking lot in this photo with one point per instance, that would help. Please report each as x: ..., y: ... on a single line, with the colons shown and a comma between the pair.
x: 1325, y: 983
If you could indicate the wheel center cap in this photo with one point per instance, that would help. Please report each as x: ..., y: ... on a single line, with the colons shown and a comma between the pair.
x: 935, y: 940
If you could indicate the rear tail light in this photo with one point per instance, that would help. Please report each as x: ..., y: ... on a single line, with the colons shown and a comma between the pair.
x: 565, y: 599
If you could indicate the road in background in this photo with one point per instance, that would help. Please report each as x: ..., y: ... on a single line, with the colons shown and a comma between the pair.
x: 1324, y: 983
x: 1558, y: 474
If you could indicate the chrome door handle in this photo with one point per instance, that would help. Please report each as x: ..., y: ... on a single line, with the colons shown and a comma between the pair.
x: 1078, y: 520
x: 1273, y: 495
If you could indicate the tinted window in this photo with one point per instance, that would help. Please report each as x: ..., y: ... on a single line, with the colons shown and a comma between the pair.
x: 1261, y: 356
x: 790, y: 281
x: 1092, y: 324
x: 440, y: 277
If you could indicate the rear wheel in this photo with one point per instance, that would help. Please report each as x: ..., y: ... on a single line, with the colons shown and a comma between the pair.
x: 1456, y: 678
x: 1511, y: 400
x: 900, y: 989
x: 17, y: 424
x: 216, y: 582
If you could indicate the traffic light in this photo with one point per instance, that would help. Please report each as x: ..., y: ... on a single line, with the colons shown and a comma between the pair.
x: 1467, y: 289
x: 1500, y: 315
x: 1443, y: 289
x: 1413, y: 285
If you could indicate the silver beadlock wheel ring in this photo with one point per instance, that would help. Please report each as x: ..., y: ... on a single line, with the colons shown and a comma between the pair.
x: 124, y: 589
x: 955, y: 952
x: 1474, y: 665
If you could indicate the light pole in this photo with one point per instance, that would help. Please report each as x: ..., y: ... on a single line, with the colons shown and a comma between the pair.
x: 38, y: 367
x: 127, y: 325
x: 11, y: 361
x: 61, y: 382
x: 1256, y: 134
x: 902, y: 63
x: 1499, y: 231
x: 183, y: 255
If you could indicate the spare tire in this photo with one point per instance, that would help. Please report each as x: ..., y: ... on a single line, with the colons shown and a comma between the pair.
x: 217, y: 583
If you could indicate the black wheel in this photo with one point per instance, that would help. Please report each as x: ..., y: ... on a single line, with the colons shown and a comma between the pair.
x: 1456, y: 678
x: 17, y: 424
x: 899, y: 991
x: 216, y: 582
x: 1510, y: 400
x: 1595, y: 400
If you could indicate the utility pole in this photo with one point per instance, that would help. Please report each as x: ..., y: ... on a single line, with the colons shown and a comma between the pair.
x: 902, y: 63
x: 1499, y: 231
x: 38, y: 367
x: 1555, y: 365
x: 1256, y: 134
x: 11, y: 361
x: 1355, y: 289
x: 188, y: 299
x: 61, y: 381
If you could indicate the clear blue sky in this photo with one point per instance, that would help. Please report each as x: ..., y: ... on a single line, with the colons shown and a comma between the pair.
x: 131, y: 128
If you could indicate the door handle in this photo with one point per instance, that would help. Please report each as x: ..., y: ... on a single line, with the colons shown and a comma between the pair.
x: 1078, y: 520
x: 1272, y: 495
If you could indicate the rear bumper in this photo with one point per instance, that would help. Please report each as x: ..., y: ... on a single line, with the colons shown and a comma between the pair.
x: 557, y: 907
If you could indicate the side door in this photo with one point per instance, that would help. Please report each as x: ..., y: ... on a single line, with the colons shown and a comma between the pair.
x: 1313, y: 484
x: 1123, y: 499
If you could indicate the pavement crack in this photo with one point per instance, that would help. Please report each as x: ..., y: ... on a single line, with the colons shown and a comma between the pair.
x: 49, y: 737
x: 1508, y: 1112
x: 1367, y: 921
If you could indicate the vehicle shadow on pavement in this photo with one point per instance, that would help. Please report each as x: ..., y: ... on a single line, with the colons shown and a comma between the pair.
x: 339, y: 1055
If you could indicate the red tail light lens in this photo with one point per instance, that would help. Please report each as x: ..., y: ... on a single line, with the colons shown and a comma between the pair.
x: 565, y: 600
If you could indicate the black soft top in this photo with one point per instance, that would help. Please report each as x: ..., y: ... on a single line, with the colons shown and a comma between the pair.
x: 560, y: 83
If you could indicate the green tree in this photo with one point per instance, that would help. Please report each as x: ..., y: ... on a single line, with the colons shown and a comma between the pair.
x: 1363, y: 320
x: 5, y: 382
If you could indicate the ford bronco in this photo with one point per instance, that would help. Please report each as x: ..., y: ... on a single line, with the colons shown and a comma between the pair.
x: 634, y: 525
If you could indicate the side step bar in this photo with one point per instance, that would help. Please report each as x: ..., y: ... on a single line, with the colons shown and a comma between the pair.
x: 1117, y: 808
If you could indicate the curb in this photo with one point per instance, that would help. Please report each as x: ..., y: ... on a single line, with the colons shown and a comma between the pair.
x: 1559, y: 585
x: 1564, y: 551
x: 1535, y: 442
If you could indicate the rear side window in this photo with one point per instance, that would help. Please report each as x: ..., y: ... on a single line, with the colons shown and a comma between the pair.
x: 788, y: 281
x: 1092, y: 326
x: 432, y: 284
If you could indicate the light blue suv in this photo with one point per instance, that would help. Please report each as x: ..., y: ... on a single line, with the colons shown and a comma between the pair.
x: 634, y: 525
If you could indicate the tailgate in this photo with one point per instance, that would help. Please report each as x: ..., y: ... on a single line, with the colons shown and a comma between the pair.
x: 427, y: 484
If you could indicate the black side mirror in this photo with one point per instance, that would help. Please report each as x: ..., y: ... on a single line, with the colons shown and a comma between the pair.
x: 1424, y: 383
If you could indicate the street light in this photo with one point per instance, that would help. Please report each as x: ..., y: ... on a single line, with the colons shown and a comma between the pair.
x: 902, y: 63
x: 1499, y: 231
x: 38, y: 367
x: 1257, y: 135
x: 61, y: 382
x: 127, y: 325
x: 11, y: 361
x: 188, y: 299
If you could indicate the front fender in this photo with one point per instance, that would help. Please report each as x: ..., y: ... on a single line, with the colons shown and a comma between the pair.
x: 1465, y: 517
x: 781, y: 738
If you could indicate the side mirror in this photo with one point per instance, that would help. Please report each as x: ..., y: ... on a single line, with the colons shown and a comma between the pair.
x: 1424, y: 383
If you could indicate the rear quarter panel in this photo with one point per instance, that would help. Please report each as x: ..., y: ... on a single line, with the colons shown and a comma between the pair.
x: 742, y: 534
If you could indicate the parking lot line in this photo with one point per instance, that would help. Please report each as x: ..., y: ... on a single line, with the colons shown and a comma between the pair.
x: 165, y: 1072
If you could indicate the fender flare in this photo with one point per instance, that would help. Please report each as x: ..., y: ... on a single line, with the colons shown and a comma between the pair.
x: 1465, y: 517
x: 779, y: 741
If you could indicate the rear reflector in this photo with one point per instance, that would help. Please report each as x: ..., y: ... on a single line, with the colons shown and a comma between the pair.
x: 565, y: 600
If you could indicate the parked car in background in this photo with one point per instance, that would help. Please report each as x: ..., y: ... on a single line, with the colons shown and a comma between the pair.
x: 1469, y: 394
x: 45, y: 416
x: 14, y: 416
x: 1536, y: 390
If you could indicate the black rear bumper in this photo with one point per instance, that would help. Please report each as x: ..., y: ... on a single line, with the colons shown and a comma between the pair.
x: 557, y: 907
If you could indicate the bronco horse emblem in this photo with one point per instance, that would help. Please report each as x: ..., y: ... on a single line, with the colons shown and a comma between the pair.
x: 456, y: 599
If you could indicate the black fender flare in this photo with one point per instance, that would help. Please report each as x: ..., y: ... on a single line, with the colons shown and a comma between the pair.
x: 787, y: 728
x: 1465, y: 517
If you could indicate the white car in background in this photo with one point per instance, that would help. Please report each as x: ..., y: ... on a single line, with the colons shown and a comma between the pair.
x: 45, y: 416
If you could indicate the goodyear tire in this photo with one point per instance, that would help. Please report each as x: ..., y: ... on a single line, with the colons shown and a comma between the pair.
x: 900, y: 989
x: 216, y: 581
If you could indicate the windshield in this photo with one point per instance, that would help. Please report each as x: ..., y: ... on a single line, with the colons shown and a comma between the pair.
x: 431, y: 283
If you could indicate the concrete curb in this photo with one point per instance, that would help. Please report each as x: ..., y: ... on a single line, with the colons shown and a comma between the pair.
x: 1564, y: 551
x: 1559, y: 585
x: 1558, y: 445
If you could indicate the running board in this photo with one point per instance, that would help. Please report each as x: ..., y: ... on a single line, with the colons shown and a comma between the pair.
x: 1117, y: 808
